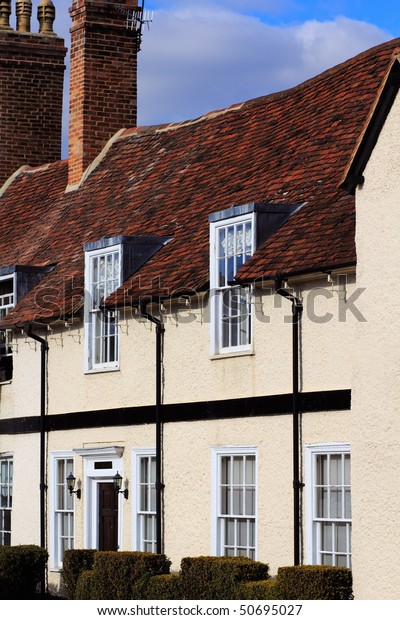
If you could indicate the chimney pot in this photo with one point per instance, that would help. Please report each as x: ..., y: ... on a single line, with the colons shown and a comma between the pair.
x: 24, y: 12
x: 5, y: 12
x: 46, y: 15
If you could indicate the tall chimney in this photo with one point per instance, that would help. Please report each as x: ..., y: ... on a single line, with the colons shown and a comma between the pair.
x: 103, y: 91
x: 31, y: 88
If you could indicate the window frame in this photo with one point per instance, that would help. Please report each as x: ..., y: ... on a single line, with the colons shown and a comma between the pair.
x: 217, y: 291
x: 55, y: 534
x: 6, y: 336
x: 96, y: 317
x: 217, y: 518
x: 9, y: 459
x: 138, y: 543
x: 313, y: 529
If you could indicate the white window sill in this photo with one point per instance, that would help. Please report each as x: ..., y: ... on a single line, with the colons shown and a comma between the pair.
x: 95, y: 371
x: 221, y: 356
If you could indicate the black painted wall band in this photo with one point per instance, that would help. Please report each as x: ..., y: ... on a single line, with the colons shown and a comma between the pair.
x: 280, y: 404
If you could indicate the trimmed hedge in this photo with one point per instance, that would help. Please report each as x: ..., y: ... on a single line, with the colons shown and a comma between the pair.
x: 85, y: 587
x: 314, y: 583
x: 121, y: 575
x: 145, y: 576
x: 22, y: 569
x: 164, y: 588
x: 218, y: 578
x: 266, y: 590
x: 74, y: 563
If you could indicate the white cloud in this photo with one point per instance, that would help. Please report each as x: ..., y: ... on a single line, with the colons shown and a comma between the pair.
x: 196, y: 60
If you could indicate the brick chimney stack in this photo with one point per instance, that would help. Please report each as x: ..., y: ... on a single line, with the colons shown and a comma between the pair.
x: 103, y: 90
x: 31, y: 87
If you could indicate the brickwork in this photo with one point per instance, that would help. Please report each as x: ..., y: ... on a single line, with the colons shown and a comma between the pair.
x: 103, y: 90
x: 31, y: 89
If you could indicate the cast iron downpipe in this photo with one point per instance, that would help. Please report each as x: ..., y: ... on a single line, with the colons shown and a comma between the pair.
x: 297, y: 309
x: 159, y: 483
x: 44, y: 347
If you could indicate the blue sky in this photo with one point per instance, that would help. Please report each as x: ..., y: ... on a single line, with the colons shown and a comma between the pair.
x: 203, y: 55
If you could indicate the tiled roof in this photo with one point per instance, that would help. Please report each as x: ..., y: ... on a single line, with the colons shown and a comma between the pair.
x: 289, y: 147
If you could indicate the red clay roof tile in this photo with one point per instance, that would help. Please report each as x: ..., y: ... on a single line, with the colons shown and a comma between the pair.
x: 289, y: 147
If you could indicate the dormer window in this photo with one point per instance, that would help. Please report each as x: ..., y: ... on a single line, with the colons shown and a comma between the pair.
x: 108, y: 263
x: 7, y: 301
x: 232, y: 243
x: 102, y: 277
x: 235, y: 234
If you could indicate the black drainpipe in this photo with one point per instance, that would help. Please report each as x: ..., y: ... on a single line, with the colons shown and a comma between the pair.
x: 159, y: 482
x: 44, y: 347
x: 297, y: 309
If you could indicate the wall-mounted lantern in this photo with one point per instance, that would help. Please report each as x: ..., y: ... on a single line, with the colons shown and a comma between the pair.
x: 118, y: 484
x: 71, y: 484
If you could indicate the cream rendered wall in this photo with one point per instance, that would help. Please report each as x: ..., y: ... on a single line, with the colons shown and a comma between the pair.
x: 24, y: 449
x: 21, y: 397
x: 188, y: 476
x: 190, y: 373
x: 375, y: 433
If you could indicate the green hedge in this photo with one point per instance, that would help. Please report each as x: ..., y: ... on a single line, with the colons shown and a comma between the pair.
x: 121, y: 575
x: 74, y: 563
x: 22, y: 569
x: 145, y: 576
x: 164, y: 588
x: 217, y: 578
x: 314, y: 583
x: 266, y: 590
x: 86, y: 586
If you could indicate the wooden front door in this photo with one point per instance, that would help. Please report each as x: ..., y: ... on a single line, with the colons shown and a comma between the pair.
x: 108, y: 517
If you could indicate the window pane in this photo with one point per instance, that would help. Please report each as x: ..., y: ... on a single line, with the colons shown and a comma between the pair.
x: 252, y: 531
x: 336, y: 469
x: 231, y: 269
x: 4, y: 497
x: 336, y: 504
x: 250, y: 470
x: 143, y: 498
x: 144, y: 471
x: 347, y: 469
x: 229, y: 532
x: 326, y: 536
x: 230, y: 241
x: 225, y: 500
x: 250, y: 507
x: 237, y: 470
x: 222, y: 272
x: 238, y: 501
x: 347, y: 504
x: 322, y: 467
x: 221, y: 243
x: 225, y: 469
x: 341, y: 538
x: 341, y: 560
x: 322, y: 503
x: 242, y: 534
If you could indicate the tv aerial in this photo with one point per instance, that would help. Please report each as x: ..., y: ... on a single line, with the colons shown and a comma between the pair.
x: 136, y: 17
